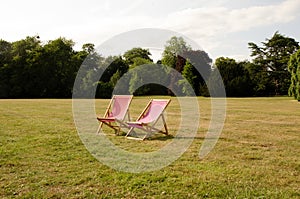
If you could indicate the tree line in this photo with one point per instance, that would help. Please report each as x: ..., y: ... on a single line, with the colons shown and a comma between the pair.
x: 30, y: 68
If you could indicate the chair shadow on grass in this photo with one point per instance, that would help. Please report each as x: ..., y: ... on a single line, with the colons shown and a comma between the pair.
x: 168, y: 137
x: 162, y: 137
x: 199, y: 138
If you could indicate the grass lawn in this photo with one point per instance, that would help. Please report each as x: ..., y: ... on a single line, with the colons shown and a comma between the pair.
x: 257, y: 155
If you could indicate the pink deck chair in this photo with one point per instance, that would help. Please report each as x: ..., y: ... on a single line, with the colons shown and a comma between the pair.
x: 116, y: 112
x: 149, y: 117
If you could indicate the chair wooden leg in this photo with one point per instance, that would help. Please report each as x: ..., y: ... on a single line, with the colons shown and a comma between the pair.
x: 130, y: 130
x: 165, y: 124
x: 99, y: 128
x: 118, y: 130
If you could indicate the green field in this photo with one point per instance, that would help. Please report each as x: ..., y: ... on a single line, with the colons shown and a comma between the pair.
x: 257, y: 155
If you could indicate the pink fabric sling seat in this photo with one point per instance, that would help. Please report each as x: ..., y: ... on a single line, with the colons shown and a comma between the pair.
x: 116, y: 113
x: 149, y: 117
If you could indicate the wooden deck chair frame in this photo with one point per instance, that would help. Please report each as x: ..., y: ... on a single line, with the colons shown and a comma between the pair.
x: 149, y: 128
x: 112, y: 122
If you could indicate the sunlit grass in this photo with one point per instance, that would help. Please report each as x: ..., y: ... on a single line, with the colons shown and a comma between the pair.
x: 257, y: 155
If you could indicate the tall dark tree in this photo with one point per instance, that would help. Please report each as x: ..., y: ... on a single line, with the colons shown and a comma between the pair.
x: 235, y: 77
x: 59, y: 68
x: 201, y: 69
x: 272, y: 58
x: 5, y: 69
x: 115, y: 67
x: 113, y: 64
x: 89, y: 61
x: 5, y: 52
x: 260, y: 80
x: 25, y: 53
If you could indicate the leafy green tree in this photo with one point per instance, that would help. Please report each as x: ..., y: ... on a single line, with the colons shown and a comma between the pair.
x: 23, y: 72
x: 90, y: 62
x: 134, y: 77
x: 89, y: 48
x: 29, y: 69
x: 294, y: 69
x: 199, y: 71
x: 134, y: 53
x: 174, y: 47
x: 141, y: 80
x: 140, y: 64
x: 188, y: 73
x: 137, y: 80
x: 115, y: 67
x: 138, y: 61
x: 190, y: 78
x: 235, y: 77
x: 113, y: 64
x: 104, y: 90
x: 58, y: 57
x: 101, y: 72
x: 272, y: 58
x: 261, y: 86
x: 114, y: 79
x: 5, y: 52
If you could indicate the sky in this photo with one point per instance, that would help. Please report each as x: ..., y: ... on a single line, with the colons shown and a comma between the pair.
x: 220, y: 27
